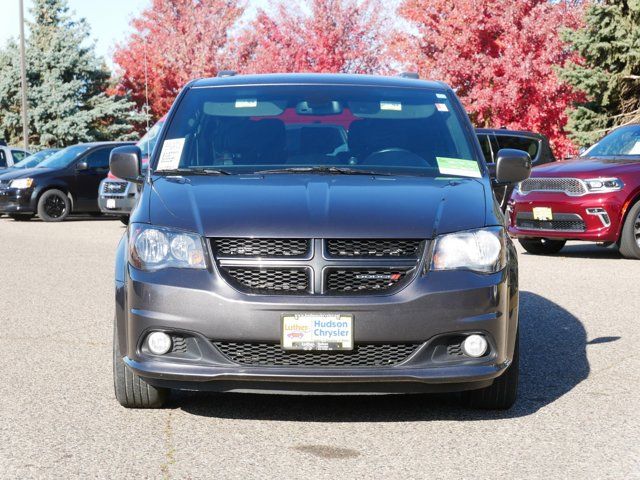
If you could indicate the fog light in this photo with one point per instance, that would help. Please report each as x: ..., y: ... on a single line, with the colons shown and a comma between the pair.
x: 159, y: 343
x: 474, y: 346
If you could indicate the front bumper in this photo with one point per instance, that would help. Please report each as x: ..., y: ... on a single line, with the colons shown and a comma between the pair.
x: 13, y: 200
x: 593, y: 218
x: 202, y: 307
x: 116, y: 197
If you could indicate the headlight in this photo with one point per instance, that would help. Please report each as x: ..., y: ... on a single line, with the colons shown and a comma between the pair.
x: 603, y: 185
x: 154, y: 248
x: 21, y: 183
x: 478, y: 250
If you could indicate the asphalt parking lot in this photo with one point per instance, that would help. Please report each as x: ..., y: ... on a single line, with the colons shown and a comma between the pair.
x: 578, y: 414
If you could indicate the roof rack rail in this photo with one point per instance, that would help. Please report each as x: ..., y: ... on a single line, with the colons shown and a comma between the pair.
x: 413, y: 75
x: 227, y: 73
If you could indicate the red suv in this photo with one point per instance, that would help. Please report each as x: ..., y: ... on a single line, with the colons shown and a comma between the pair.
x: 594, y: 198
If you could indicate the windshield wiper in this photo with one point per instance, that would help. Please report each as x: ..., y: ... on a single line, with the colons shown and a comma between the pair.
x: 328, y: 170
x: 193, y: 171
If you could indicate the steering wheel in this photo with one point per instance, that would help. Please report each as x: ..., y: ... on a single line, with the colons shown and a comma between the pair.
x: 390, y: 150
x: 406, y: 158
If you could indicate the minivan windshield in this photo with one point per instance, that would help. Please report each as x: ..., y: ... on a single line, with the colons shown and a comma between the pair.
x: 624, y: 141
x: 65, y: 157
x: 318, y: 128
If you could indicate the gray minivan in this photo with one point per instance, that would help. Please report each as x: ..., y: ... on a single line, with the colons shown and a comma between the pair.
x: 312, y: 232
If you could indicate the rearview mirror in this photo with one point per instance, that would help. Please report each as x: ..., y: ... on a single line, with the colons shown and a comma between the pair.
x: 512, y: 166
x: 82, y: 165
x: 125, y: 163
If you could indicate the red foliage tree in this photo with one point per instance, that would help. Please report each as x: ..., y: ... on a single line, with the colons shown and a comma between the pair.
x: 501, y: 56
x: 332, y: 36
x: 174, y: 41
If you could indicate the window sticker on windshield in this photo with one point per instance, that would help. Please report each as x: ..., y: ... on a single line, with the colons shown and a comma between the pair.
x: 246, y: 103
x: 459, y: 167
x: 393, y: 106
x: 442, y: 107
x: 441, y: 95
x: 171, y: 154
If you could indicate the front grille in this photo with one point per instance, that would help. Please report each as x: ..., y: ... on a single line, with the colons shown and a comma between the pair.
x: 285, y: 266
x: 271, y: 355
x: 261, y: 247
x: 269, y: 280
x: 570, y: 186
x: 114, y: 187
x: 363, y: 280
x: 559, y: 225
x: 372, y: 248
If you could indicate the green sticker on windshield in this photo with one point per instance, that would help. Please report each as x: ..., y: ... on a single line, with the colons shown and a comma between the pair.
x: 459, y: 167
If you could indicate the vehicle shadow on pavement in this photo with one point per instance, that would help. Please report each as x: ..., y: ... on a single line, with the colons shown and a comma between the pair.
x: 84, y: 218
x: 587, y: 250
x: 553, y: 362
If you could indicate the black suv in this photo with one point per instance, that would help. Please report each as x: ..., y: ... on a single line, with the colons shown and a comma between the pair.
x: 324, y: 233
x: 65, y: 182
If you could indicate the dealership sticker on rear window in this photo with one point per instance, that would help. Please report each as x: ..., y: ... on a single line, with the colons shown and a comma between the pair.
x: 171, y: 154
x: 459, y: 167
x: 393, y: 106
x: 246, y: 103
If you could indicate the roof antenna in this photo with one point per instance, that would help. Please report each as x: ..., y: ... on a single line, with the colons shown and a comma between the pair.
x: 146, y: 95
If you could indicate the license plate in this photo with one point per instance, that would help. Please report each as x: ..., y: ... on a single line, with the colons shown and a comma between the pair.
x: 542, y: 213
x: 317, y: 331
x: 111, y: 203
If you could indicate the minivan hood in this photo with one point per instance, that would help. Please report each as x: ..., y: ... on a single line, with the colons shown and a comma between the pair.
x: 14, y: 173
x: 317, y: 206
x: 587, y: 167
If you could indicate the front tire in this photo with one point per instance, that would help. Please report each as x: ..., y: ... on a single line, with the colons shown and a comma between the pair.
x: 630, y: 237
x: 125, y: 219
x: 54, y: 206
x: 130, y: 389
x: 541, y: 246
x: 502, y: 393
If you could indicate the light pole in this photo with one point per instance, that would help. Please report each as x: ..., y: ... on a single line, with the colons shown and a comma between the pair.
x: 23, y: 68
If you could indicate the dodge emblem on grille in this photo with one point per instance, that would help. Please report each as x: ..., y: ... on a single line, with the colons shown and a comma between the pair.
x: 378, y: 276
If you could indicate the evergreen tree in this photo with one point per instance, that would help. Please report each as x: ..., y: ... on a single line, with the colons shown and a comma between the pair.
x: 67, y: 85
x: 609, y: 43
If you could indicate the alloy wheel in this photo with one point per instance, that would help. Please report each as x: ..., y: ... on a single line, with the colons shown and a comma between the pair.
x: 636, y: 229
x: 55, y: 206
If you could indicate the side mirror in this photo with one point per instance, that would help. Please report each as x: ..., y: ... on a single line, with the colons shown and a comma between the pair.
x: 82, y: 165
x: 125, y: 163
x: 512, y: 166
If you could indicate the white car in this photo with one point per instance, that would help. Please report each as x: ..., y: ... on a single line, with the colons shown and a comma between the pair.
x: 11, y: 155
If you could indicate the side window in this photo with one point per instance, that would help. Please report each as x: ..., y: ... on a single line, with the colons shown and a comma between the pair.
x: 3, y: 159
x: 485, y: 143
x: 18, y: 155
x: 99, y: 159
x: 529, y: 145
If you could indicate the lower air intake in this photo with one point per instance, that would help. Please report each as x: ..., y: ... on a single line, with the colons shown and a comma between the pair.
x: 272, y: 355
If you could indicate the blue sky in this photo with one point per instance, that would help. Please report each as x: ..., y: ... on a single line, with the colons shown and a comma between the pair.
x: 109, y: 19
